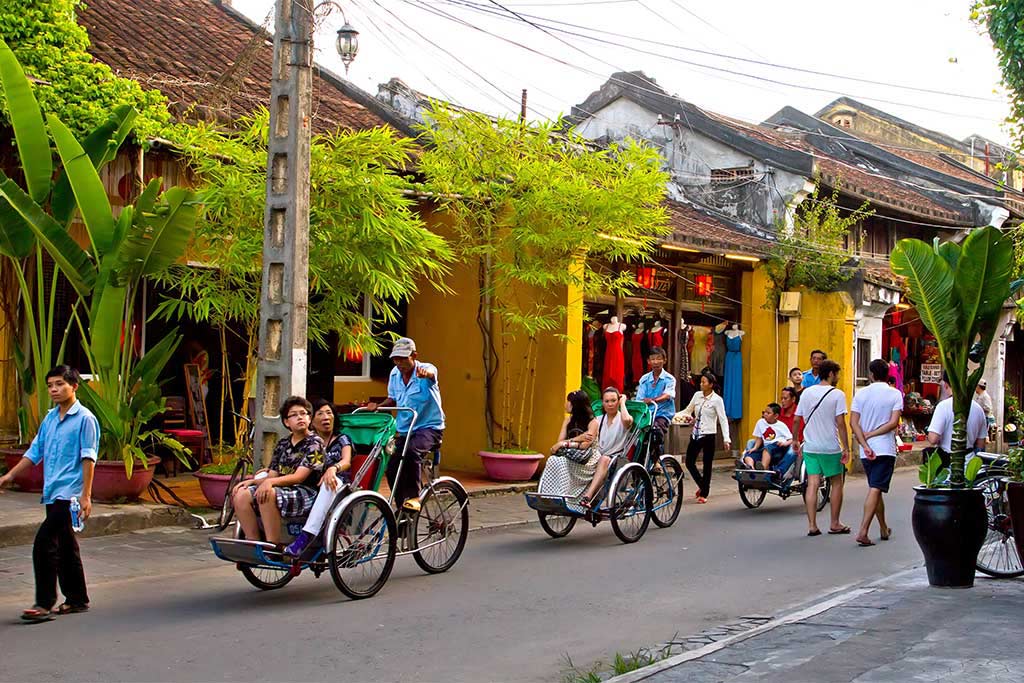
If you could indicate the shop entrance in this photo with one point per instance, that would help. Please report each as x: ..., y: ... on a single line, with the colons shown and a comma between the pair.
x: 914, y: 363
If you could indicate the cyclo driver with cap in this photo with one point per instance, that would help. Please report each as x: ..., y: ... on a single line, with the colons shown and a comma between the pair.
x: 412, y: 384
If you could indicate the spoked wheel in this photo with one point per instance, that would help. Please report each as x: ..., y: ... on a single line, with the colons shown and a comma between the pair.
x: 227, y: 508
x: 264, y: 578
x: 998, y: 556
x: 824, y: 493
x: 361, y: 551
x: 556, y: 526
x: 631, y: 504
x: 752, y: 498
x: 667, y: 483
x: 440, y: 527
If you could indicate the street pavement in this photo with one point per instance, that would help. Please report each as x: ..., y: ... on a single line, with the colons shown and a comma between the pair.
x: 514, y: 608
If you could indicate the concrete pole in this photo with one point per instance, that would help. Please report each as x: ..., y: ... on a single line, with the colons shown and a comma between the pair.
x: 284, y: 296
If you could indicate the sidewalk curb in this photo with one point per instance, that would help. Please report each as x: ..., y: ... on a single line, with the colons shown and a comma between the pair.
x: 832, y: 598
x: 121, y: 520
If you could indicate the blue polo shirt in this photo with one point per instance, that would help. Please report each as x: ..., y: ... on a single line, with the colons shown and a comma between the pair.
x: 809, y: 380
x: 61, y: 445
x: 651, y: 388
x: 421, y: 394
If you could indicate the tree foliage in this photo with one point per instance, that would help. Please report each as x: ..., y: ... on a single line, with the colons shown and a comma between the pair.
x: 540, y: 210
x: 53, y: 48
x: 815, y: 252
x: 366, y: 236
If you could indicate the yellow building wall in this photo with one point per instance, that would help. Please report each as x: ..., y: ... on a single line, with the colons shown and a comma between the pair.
x: 826, y: 322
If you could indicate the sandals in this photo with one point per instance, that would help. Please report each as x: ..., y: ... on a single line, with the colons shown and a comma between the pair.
x: 837, y: 532
x: 865, y: 542
x: 37, y: 614
x: 68, y: 608
x: 584, y: 502
x: 815, y: 532
x: 886, y: 536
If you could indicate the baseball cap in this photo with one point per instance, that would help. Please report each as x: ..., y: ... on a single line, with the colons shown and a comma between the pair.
x: 403, y: 348
x: 982, y: 383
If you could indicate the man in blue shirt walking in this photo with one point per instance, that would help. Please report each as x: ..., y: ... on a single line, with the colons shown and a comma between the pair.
x: 658, y: 387
x: 412, y: 384
x: 67, y: 445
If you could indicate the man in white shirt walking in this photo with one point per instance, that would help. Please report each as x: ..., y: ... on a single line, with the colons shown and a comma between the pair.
x: 822, y: 439
x: 940, y: 429
x: 874, y: 417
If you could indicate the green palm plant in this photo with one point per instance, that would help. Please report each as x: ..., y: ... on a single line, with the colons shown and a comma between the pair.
x: 142, y: 241
x: 23, y: 253
x: 959, y: 292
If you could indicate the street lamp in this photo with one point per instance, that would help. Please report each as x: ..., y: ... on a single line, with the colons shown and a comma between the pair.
x: 347, y: 44
x: 284, y: 294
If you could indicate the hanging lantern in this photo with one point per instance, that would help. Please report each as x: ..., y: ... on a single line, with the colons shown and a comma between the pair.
x: 704, y: 287
x: 645, y: 276
x: 353, y: 355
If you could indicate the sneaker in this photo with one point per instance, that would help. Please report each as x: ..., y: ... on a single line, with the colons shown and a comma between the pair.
x: 300, y: 543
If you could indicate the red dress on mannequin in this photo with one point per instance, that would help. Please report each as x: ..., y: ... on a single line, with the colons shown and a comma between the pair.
x: 614, y: 374
x: 637, y: 356
x: 656, y: 338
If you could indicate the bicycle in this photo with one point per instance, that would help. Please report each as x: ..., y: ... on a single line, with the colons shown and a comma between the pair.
x: 240, y: 472
x: 998, y: 557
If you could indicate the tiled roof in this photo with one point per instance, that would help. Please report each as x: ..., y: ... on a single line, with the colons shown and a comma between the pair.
x: 693, y: 228
x: 204, y: 55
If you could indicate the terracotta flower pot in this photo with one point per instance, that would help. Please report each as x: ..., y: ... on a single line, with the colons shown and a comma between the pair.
x: 510, y: 466
x: 214, y: 487
x: 30, y: 480
x: 110, y: 483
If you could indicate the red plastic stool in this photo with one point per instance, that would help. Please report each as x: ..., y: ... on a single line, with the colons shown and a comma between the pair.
x: 193, y: 439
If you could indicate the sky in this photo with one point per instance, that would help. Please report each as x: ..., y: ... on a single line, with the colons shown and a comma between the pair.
x: 482, y: 53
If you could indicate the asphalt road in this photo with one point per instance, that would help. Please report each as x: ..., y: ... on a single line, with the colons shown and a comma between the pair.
x: 512, y: 609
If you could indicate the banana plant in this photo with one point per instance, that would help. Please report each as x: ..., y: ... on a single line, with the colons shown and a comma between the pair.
x: 38, y: 334
x: 141, y: 241
x: 959, y: 292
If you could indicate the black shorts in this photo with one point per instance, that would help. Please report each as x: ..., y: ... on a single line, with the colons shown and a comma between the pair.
x: 879, y: 471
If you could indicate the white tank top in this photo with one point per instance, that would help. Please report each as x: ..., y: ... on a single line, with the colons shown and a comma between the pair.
x: 613, y: 436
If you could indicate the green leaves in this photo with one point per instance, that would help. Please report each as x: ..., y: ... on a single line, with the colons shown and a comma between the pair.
x: 86, y: 185
x: 983, y: 276
x: 27, y: 121
x: 931, y: 282
x: 932, y: 474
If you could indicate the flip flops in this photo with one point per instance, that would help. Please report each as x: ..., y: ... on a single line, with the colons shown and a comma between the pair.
x: 816, y: 532
x: 837, y: 532
x: 886, y: 536
x: 866, y: 543
x: 67, y: 608
x: 37, y: 614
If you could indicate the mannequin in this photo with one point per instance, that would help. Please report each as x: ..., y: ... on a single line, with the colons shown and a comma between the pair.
x: 656, y: 337
x: 732, y: 389
x: 592, y: 329
x: 685, y: 347
x: 717, y: 359
x: 614, y: 374
x: 636, y: 356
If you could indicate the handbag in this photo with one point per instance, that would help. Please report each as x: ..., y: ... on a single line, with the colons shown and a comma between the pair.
x: 577, y: 455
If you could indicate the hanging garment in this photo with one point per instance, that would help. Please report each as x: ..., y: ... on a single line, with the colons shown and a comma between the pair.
x: 699, y: 353
x: 656, y: 338
x: 717, y: 360
x: 732, y: 392
x: 590, y: 352
x: 709, y: 350
x: 614, y: 374
x: 897, y: 374
x: 685, y: 342
x: 637, y: 358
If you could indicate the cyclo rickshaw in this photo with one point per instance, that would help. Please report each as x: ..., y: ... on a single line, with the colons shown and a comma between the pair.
x: 754, y: 485
x: 642, y: 485
x: 363, y: 533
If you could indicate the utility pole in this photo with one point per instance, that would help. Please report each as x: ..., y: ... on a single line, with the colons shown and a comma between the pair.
x: 284, y: 295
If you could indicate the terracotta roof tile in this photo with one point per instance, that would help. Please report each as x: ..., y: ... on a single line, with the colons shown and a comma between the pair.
x: 187, y: 48
x: 696, y: 229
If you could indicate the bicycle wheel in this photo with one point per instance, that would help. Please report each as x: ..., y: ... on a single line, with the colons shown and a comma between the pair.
x: 667, y: 483
x: 824, y: 493
x: 361, y: 551
x: 631, y: 504
x: 556, y: 526
x: 752, y: 498
x: 265, y: 578
x: 998, y: 557
x: 440, y: 527
x: 227, y: 508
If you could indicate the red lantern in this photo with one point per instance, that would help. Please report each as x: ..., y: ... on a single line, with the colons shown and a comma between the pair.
x: 353, y: 355
x: 704, y: 287
x: 645, y: 276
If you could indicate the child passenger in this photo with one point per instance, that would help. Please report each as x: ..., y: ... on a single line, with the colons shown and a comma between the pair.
x: 287, y: 487
x: 772, y: 442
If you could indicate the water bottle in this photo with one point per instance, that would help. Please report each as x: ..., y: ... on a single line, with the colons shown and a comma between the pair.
x: 76, y: 515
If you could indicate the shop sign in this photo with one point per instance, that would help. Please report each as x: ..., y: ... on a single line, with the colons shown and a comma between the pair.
x: 931, y: 373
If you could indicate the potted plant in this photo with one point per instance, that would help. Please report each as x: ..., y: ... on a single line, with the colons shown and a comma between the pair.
x: 1015, y: 495
x: 143, y: 240
x: 30, y: 305
x: 959, y: 291
x: 214, y: 479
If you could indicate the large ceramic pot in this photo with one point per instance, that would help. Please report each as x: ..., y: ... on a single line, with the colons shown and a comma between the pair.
x: 1015, y: 495
x: 30, y: 480
x: 950, y: 527
x: 214, y: 487
x: 111, y: 484
x: 510, y: 466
